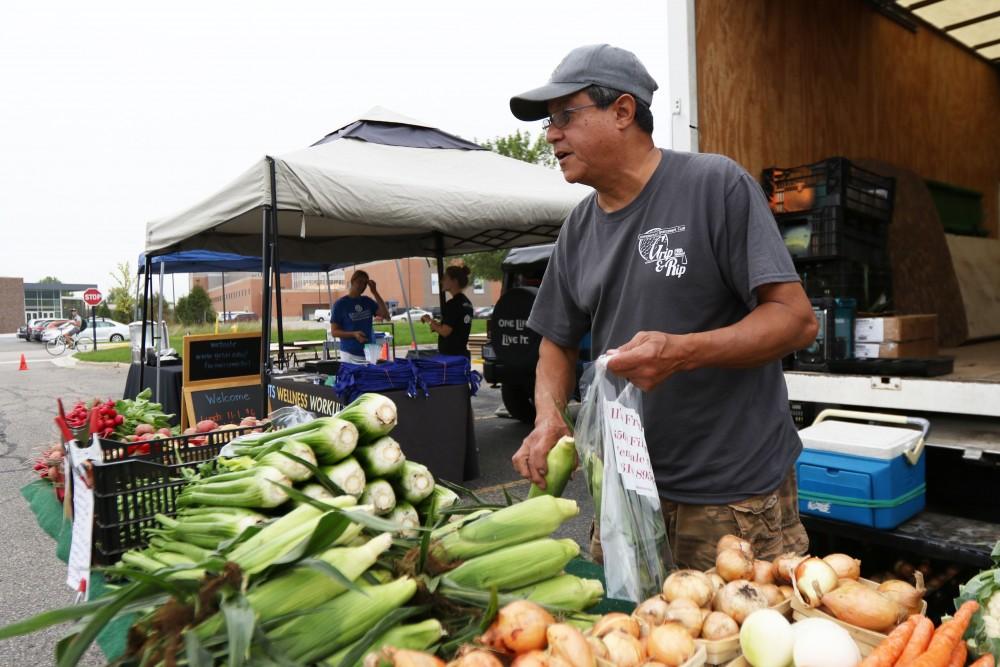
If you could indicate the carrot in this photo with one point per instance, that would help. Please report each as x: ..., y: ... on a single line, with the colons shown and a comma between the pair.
x: 939, y: 650
x: 923, y: 630
x: 958, y: 655
x: 985, y: 661
x: 887, y: 653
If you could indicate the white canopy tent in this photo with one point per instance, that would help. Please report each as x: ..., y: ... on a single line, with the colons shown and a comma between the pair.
x: 382, y: 187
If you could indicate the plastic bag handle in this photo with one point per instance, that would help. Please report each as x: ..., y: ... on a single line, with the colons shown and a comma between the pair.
x: 913, y: 454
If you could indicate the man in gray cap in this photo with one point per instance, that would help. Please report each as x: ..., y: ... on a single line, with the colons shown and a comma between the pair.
x: 676, y: 267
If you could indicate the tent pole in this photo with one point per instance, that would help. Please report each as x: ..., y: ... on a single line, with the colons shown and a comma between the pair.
x: 439, y: 243
x: 275, y: 260
x: 265, y: 310
x: 135, y: 304
x: 329, y: 297
x: 159, y: 330
x: 145, y: 310
x: 225, y: 313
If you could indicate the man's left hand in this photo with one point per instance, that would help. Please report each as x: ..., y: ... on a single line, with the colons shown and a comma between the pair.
x: 650, y: 358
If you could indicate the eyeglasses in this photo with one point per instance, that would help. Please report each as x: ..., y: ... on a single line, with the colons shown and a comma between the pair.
x: 561, y: 119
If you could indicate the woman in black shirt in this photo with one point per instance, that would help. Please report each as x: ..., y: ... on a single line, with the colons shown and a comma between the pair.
x: 456, y: 316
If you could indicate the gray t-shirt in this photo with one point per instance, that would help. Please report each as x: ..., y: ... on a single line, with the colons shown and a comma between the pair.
x: 685, y: 256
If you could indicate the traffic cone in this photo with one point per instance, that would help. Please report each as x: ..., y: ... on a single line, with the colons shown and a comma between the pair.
x: 24, y: 364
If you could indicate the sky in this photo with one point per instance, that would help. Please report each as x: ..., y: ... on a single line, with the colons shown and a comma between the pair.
x: 116, y: 113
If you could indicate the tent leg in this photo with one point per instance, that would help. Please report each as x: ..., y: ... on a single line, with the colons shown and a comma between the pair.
x: 329, y: 297
x: 159, y: 330
x: 439, y: 243
x: 275, y: 260
x: 225, y: 313
x: 265, y: 311
x: 145, y: 314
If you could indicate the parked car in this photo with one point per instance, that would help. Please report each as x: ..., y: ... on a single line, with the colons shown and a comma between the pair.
x: 35, y: 332
x: 108, y: 331
x: 322, y: 315
x: 415, y: 313
x: 483, y: 312
x: 24, y: 331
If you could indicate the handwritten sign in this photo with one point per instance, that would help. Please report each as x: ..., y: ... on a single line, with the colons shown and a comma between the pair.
x: 629, y: 443
x: 224, y: 405
x: 211, y: 358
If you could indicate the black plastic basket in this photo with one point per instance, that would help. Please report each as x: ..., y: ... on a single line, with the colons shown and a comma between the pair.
x: 130, y: 490
x: 831, y: 182
x: 869, y: 286
x: 834, y: 232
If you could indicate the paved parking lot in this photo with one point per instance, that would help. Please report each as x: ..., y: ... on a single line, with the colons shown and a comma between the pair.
x: 32, y: 579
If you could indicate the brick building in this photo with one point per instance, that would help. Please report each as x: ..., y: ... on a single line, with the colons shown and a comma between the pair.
x: 303, y: 293
x: 11, y: 304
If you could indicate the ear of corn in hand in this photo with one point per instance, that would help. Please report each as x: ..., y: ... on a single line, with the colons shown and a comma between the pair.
x: 527, y: 520
x: 374, y: 416
x: 414, y: 483
x: 382, y: 458
x: 414, y: 636
x: 380, y: 495
x: 560, y: 462
x: 516, y: 566
x: 347, y: 475
x: 333, y: 625
x: 256, y: 489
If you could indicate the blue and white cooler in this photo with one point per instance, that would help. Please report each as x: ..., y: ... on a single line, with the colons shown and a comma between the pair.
x: 865, y: 474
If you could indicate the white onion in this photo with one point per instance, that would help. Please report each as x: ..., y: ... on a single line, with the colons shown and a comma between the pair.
x: 814, y: 578
x: 822, y: 643
x: 766, y: 639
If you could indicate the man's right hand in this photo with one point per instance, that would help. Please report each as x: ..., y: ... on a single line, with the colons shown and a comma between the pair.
x: 530, y: 460
x: 360, y: 336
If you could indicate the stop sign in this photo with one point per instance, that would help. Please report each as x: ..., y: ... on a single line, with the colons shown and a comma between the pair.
x: 92, y: 297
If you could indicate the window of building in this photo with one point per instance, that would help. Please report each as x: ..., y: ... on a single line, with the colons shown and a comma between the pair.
x: 435, y: 289
x: 478, y: 286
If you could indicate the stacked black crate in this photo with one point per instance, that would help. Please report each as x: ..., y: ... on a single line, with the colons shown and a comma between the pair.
x: 834, y: 217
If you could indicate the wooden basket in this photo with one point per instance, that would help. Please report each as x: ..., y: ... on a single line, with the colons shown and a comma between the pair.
x: 864, y: 638
x: 696, y: 660
x: 722, y: 651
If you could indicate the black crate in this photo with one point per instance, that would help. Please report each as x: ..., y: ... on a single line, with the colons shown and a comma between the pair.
x: 869, y: 286
x: 834, y: 232
x: 130, y: 490
x: 831, y: 182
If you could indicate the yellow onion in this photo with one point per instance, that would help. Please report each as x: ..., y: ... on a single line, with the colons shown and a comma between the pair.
x: 719, y: 626
x: 476, y: 658
x: 688, y: 584
x: 624, y: 650
x: 786, y: 591
x: 407, y: 658
x: 615, y: 621
x: 644, y: 626
x: 909, y: 598
x: 783, y: 567
x: 739, y: 599
x: 862, y: 606
x: 734, y: 542
x: 686, y: 613
x: 520, y: 627
x: 568, y: 643
x: 652, y: 663
x: 773, y: 594
x: 556, y: 661
x: 845, y: 566
x: 717, y: 581
x: 733, y: 564
x: 763, y: 572
x: 598, y: 647
x: 532, y: 659
x: 670, y: 644
x: 814, y: 578
x: 654, y: 610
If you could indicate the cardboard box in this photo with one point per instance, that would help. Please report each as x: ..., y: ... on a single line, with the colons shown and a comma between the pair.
x: 899, y: 329
x: 913, y: 349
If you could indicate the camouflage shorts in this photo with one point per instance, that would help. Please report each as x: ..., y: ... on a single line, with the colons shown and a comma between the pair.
x: 769, y: 521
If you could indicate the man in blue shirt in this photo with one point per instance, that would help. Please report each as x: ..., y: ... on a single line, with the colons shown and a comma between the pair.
x: 351, y: 319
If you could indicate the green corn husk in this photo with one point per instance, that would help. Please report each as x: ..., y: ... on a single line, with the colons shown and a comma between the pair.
x: 304, y: 587
x: 333, y: 441
x: 441, y: 498
x: 516, y: 566
x: 382, y: 458
x: 340, y: 622
x: 347, y: 475
x: 405, y: 515
x: 317, y: 492
x: 294, y: 470
x: 237, y: 463
x: 254, y: 440
x: 374, y: 416
x: 457, y: 521
x: 415, y: 483
x: 564, y: 591
x: 259, y: 488
x: 141, y: 560
x: 206, y: 530
x: 185, y: 548
x: 560, y: 462
x: 414, y: 637
x: 527, y: 520
x: 380, y: 495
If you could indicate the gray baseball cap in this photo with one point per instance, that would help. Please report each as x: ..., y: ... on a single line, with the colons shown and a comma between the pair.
x: 595, y: 64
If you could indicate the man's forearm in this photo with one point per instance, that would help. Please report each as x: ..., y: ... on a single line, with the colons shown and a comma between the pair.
x: 769, y: 332
x: 555, y: 377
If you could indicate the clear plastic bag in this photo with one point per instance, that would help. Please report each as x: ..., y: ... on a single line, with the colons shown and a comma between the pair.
x: 615, y: 459
x: 290, y: 415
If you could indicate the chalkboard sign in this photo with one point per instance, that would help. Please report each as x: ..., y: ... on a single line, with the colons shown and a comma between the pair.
x: 223, y: 405
x: 211, y: 358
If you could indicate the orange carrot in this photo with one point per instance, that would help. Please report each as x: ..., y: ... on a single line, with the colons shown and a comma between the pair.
x: 887, y: 653
x: 923, y: 630
x: 939, y: 650
x: 985, y: 661
x: 958, y: 655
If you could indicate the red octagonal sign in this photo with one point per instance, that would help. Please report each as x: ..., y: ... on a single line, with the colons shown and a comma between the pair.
x: 92, y: 297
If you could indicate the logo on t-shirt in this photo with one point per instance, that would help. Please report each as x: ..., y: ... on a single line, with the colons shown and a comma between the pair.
x: 654, y: 249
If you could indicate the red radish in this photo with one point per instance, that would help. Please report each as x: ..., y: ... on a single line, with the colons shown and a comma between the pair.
x: 144, y: 437
x: 142, y: 429
x: 130, y: 438
x: 165, y: 432
x: 206, y: 425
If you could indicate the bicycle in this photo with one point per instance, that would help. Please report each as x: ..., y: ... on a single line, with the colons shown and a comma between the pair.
x: 78, y: 343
